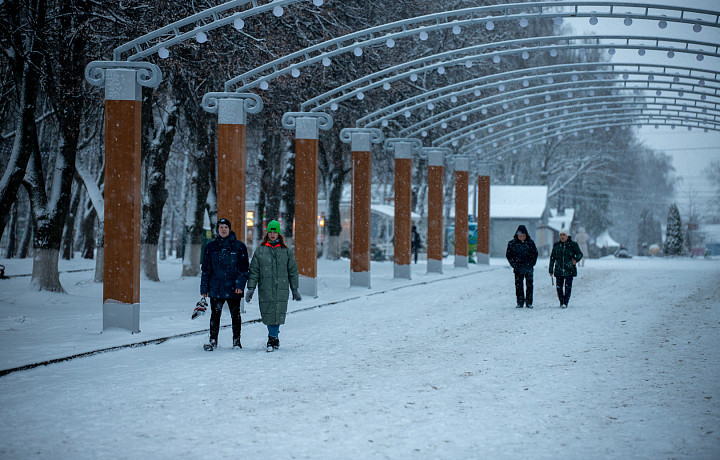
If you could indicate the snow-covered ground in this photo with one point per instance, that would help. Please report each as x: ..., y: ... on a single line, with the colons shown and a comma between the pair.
x: 441, y: 366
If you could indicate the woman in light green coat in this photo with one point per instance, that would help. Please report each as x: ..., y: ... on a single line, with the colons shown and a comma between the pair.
x: 274, y: 272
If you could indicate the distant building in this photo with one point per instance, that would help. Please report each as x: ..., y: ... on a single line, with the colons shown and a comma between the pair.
x: 510, y: 206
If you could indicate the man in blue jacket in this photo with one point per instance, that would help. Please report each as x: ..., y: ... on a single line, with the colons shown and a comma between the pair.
x: 522, y: 255
x: 224, y: 274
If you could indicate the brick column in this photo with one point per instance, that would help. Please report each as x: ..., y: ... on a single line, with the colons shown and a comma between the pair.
x: 121, y: 268
x: 360, y: 140
x: 483, y: 218
x: 403, y: 149
x: 232, y: 109
x: 436, y: 179
x: 306, y: 126
x: 461, y: 211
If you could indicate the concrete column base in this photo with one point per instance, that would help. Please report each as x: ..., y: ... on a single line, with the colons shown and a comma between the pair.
x: 307, y: 286
x: 434, y: 266
x: 361, y: 279
x: 482, y: 258
x: 401, y: 271
x: 121, y: 315
x: 461, y: 261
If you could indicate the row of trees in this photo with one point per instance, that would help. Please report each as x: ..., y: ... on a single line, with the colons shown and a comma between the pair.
x: 51, y: 122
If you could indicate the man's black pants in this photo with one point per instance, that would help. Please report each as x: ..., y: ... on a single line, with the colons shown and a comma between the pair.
x: 216, y: 306
x: 524, y: 297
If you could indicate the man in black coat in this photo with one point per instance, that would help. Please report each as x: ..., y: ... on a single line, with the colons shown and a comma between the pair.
x: 224, y: 274
x: 522, y: 255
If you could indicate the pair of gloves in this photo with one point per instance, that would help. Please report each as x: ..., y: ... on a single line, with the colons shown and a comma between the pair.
x: 250, y: 292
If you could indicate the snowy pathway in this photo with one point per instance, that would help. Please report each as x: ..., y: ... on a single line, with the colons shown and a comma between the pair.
x: 443, y: 370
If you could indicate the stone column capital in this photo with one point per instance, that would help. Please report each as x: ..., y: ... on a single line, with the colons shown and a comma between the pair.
x: 435, y: 155
x: 360, y: 139
x: 146, y: 73
x: 403, y: 147
x: 232, y: 107
x: 307, y: 124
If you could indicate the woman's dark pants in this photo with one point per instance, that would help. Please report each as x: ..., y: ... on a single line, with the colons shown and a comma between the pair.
x: 564, y: 287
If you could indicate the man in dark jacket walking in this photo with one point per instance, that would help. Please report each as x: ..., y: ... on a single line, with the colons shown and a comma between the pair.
x: 563, y: 264
x: 522, y: 255
x: 224, y: 274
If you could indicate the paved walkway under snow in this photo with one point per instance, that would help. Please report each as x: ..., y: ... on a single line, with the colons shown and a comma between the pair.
x: 447, y: 369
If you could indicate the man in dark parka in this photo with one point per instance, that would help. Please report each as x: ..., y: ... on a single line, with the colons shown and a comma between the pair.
x: 224, y: 274
x: 522, y: 255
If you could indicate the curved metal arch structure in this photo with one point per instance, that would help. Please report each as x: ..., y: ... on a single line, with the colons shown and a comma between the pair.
x: 456, y: 20
x: 596, y: 123
x: 564, y: 90
x: 527, y: 119
x: 701, y: 120
x: 475, y: 86
x: 411, y: 69
x: 200, y: 23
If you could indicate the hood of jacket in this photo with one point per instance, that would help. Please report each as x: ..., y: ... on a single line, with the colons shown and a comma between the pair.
x: 521, y: 229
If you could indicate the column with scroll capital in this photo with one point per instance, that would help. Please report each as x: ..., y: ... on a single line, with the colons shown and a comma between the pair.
x: 123, y: 107
x: 361, y: 140
x: 436, y: 179
x: 483, y: 215
x: 232, y: 109
x: 462, y: 167
x: 306, y: 126
x: 403, y: 150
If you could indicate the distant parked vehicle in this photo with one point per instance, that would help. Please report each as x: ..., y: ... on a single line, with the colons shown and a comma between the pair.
x: 623, y: 253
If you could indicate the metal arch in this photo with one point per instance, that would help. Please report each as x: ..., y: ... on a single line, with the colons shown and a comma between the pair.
x: 622, y: 123
x: 518, y: 96
x: 589, y: 122
x: 615, y: 92
x: 635, y: 109
x: 204, y: 21
x: 543, y: 117
x: 376, y: 35
x: 475, y: 85
x: 432, y: 63
x: 461, y: 61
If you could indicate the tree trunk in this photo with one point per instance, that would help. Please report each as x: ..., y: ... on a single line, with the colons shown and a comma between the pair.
x: 68, y: 236
x: 45, y: 275
x: 195, y: 217
x: 12, y: 235
x: 100, y: 256
x: 156, y: 144
x: 26, y: 69
x: 24, y: 249
x: 87, y: 229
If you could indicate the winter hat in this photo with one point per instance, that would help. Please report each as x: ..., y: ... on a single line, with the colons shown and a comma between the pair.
x: 274, y: 226
x: 224, y: 222
x: 521, y: 229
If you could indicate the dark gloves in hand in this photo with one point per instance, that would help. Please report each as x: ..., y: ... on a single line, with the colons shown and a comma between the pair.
x: 296, y: 295
x: 249, y: 294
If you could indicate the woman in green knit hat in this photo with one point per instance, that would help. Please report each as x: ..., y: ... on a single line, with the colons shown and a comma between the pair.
x: 274, y: 273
